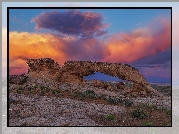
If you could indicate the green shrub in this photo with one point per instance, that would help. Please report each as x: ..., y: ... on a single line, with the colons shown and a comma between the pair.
x: 168, y: 112
x: 139, y: 113
x: 47, y: 90
x: 102, y: 97
x: 148, y: 123
x: 110, y: 117
x: 35, y: 86
x: 128, y: 102
x: 19, y: 89
x: 58, y: 91
x: 152, y: 106
x: 42, y: 87
x: 90, y: 94
x: 29, y: 88
x: 114, y: 100
x: 66, y: 90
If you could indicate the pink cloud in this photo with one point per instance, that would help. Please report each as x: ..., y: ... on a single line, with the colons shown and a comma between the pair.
x: 140, y: 43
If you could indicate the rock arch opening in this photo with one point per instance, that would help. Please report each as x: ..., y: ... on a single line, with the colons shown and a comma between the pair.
x: 100, y: 76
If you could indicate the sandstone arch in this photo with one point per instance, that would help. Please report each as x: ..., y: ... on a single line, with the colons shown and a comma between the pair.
x: 73, y: 71
x: 85, y: 68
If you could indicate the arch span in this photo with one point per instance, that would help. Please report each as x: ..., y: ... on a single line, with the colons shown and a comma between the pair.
x: 73, y: 71
x: 85, y: 68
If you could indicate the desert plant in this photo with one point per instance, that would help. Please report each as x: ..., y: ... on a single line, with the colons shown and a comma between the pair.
x: 53, y: 92
x: 110, y: 117
x: 148, y: 123
x: 90, y: 94
x: 57, y: 91
x: 102, y: 97
x: 114, y: 100
x: 168, y: 112
x: 35, y: 86
x: 42, y: 87
x: 47, y: 90
x: 19, y: 89
x: 139, y: 113
x: 152, y: 106
x: 128, y: 102
x: 29, y: 88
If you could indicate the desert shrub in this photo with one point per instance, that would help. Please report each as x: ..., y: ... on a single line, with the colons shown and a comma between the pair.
x: 90, y: 94
x: 128, y: 102
x: 35, y: 86
x: 58, y: 91
x: 110, y: 117
x: 47, y: 90
x: 102, y: 97
x: 86, y: 94
x: 168, y: 112
x: 66, y: 90
x: 42, y: 87
x: 79, y: 94
x: 53, y: 92
x: 148, y: 123
x: 29, y: 88
x: 139, y: 113
x: 152, y: 106
x: 19, y: 89
x: 114, y: 100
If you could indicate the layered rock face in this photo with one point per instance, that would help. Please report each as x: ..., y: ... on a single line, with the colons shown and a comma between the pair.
x: 48, y: 72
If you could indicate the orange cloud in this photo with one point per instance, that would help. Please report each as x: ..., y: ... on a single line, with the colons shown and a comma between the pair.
x: 139, y: 43
x: 34, y: 45
x: 25, y: 45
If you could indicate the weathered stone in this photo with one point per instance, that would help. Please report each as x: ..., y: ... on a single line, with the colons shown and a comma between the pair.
x: 100, y: 84
x: 46, y: 71
x: 17, y: 79
x: 120, y: 85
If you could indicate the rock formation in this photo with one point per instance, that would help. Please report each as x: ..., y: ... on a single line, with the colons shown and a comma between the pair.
x: 48, y: 72
x: 17, y: 79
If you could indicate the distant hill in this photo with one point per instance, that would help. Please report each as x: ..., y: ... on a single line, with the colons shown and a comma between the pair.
x: 157, y: 79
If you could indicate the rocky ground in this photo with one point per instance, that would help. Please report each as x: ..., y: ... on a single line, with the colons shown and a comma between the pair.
x: 87, y: 105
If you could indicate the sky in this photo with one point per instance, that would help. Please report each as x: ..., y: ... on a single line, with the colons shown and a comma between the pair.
x: 107, y: 35
x: 122, y: 36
